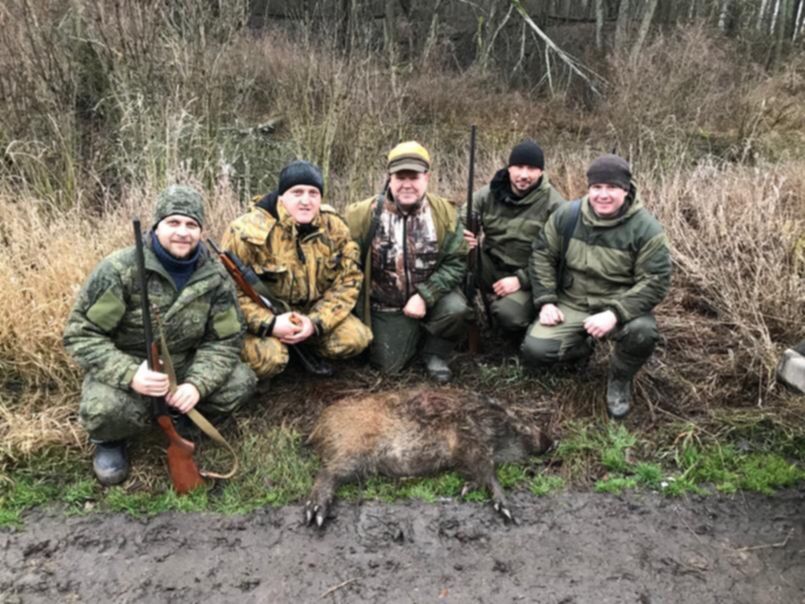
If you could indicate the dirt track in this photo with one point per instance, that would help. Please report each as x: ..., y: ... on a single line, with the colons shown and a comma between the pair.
x: 570, y: 548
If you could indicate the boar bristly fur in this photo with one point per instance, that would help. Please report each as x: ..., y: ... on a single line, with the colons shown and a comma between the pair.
x: 415, y: 433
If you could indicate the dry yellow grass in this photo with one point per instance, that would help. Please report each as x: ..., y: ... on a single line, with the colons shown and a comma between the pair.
x: 737, y: 301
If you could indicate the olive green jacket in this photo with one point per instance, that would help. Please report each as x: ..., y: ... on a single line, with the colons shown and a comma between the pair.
x: 511, y: 224
x: 203, y: 328
x: 452, y: 261
x: 621, y: 264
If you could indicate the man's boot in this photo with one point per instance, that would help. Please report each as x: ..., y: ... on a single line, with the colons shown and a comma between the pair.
x: 435, y: 352
x: 110, y: 462
x: 438, y: 369
x: 619, y: 395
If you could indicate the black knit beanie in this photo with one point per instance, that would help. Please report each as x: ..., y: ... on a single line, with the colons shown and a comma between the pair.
x: 610, y: 169
x: 300, y: 172
x: 527, y: 153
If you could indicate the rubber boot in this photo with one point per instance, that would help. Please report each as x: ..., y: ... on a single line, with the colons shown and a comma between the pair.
x: 438, y: 369
x: 619, y: 396
x: 110, y: 462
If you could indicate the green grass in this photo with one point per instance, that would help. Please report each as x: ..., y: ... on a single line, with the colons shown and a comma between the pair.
x: 276, y: 470
x: 544, y: 484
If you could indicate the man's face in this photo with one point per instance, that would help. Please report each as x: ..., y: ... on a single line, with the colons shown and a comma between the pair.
x: 302, y: 202
x: 178, y: 235
x: 408, y: 187
x: 523, y: 177
x: 606, y: 200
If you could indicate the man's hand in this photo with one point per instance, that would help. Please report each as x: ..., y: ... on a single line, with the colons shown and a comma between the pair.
x: 600, y: 324
x: 304, y: 329
x: 148, y: 382
x: 550, y: 315
x: 506, y: 286
x: 184, y: 399
x: 415, y: 307
x: 471, y: 239
x: 286, y: 325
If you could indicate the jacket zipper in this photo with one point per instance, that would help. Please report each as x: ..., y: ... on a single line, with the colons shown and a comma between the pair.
x: 405, y: 258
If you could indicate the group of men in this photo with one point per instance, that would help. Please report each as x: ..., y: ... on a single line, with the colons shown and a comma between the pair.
x: 386, y: 279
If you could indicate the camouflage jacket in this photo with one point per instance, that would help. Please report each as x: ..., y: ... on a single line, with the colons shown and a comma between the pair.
x: 315, y: 272
x: 511, y: 224
x: 621, y: 263
x: 446, y: 269
x: 202, y: 323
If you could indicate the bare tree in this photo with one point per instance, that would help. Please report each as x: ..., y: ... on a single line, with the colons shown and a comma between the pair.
x: 722, y: 15
x: 645, y: 24
x: 621, y: 25
x: 599, y: 24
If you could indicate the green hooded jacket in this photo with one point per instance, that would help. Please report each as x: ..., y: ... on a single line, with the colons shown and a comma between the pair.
x: 620, y: 264
x: 511, y: 224
x: 203, y: 327
x: 452, y: 261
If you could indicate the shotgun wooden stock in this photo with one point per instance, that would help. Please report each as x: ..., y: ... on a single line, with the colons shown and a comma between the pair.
x: 184, y: 473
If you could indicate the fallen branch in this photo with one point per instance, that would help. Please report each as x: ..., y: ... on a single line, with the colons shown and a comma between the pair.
x: 782, y: 543
x: 572, y: 63
x: 337, y: 587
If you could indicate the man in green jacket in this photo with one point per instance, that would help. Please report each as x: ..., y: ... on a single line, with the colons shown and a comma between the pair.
x: 512, y: 208
x: 202, y: 326
x: 602, y: 282
x: 414, y: 258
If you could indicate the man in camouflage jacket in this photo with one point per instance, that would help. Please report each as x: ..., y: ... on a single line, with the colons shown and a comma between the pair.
x: 616, y: 269
x: 202, y: 325
x: 512, y: 208
x: 414, y: 257
x: 307, y: 264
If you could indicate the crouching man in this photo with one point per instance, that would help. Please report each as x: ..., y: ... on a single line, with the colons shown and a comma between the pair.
x: 598, y: 268
x: 301, y: 251
x: 202, y: 326
x: 414, y: 259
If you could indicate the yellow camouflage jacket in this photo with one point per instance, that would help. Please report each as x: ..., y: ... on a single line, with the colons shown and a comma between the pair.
x: 316, y: 272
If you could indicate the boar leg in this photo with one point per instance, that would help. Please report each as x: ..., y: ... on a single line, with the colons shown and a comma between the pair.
x: 483, y: 472
x: 317, y: 506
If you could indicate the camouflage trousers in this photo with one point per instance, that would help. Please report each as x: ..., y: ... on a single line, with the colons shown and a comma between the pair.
x: 268, y: 356
x: 109, y: 413
x: 569, y: 342
x: 397, y: 337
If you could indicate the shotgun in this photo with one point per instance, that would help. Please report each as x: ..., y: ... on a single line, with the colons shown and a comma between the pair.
x: 184, y: 473
x: 246, y: 279
x: 474, y: 259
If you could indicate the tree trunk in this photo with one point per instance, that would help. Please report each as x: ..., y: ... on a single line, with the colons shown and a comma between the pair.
x: 760, y: 14
x: 722, y: 15
x: 622, y: 24
x: 599, y: 24
x: 390, y: 27
x: 798, y: 22
x: 645, y: 25
x: 774, y: 15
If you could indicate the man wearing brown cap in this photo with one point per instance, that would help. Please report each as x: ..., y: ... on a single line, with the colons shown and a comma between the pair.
x: 598, y: 269
x: 308, y: 265
x: 414, y: 258
x: 512, y: 208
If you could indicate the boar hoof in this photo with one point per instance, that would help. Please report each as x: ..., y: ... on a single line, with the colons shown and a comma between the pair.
x: 501, y: 509
x: 317, y: 513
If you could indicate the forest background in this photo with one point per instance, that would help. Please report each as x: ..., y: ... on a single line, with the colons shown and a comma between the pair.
x: 104, y: 102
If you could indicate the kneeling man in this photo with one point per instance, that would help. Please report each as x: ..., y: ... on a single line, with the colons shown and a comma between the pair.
x: 307, y: 264
x: 598, y: 268
x: 202, y: 326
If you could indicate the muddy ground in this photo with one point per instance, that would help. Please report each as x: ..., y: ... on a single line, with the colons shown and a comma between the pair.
x: 568, y: 548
